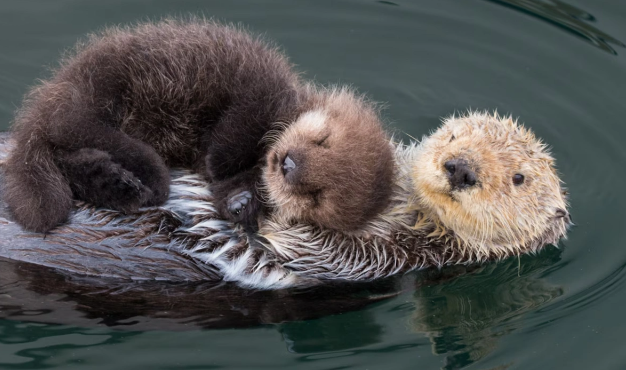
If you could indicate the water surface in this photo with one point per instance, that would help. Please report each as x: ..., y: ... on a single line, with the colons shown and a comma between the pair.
x: 559, y: 66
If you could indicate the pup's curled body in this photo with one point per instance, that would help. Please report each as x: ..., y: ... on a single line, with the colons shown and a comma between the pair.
x: 131, y: 102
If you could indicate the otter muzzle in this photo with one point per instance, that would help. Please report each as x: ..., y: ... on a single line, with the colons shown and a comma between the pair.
x: 460, y: 175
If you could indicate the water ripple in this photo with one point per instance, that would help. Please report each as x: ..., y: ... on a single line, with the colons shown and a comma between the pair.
x: 566, y: 17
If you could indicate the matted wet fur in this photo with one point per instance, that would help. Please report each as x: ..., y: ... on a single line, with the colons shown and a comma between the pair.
x: 433, y: 219
x: 407, y: 235
x: 130, y: 102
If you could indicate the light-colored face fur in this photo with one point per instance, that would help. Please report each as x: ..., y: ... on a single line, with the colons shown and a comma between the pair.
x: 498, y: 210
x: 339, y: 164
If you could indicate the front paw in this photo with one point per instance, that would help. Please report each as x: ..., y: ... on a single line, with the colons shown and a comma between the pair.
x: 238, y: 203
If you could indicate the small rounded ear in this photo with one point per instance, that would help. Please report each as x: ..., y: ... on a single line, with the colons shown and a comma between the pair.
x: 561, y: 213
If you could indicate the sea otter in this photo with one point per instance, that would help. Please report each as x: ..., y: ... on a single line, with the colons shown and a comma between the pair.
x: 415, y: 231
x: 131, y: 102
x: 481, y: 187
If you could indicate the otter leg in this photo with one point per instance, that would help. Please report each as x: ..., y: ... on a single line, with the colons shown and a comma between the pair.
x: 127, y: 153
x: 234, y: 150
x: 234, y: 144
x: 145, y: 164
x: 38, y: 195
x: 95, y: 178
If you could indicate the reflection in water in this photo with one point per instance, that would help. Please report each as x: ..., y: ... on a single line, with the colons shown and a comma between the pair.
x: 567, y: 17
x: 34, y: 293
x: 465, y: 318
x: 593, y: 293
x: 462, y: 310
x: 33, y: 345
x: 332, y: 333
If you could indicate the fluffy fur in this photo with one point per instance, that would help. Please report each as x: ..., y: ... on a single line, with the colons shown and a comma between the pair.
x: 420, y: 227
x: 344, y: 163
x: 130, y: 102
x: 495, y: 214
x: 407, y: 235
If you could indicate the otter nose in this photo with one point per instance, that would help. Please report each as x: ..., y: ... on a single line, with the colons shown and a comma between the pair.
x: 459, y: 174
x: 288, y: 165
x: 292, y: 167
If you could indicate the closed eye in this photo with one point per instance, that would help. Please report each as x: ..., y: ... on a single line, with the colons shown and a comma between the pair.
x: 452, y: 138
x: 323, y: 142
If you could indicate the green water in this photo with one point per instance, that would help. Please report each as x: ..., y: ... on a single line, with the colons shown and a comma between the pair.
x: 558, y: 65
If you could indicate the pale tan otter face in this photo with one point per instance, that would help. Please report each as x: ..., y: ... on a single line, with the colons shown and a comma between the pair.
x: 332, y: 167
x: 490, y: 181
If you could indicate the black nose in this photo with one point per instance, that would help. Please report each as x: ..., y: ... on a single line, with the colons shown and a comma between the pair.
x: 459, y: 174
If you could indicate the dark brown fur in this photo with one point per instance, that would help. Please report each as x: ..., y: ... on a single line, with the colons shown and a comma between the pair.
x: 132, y: 101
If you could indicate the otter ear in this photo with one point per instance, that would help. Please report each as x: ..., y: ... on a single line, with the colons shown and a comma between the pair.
x: 561, y: 213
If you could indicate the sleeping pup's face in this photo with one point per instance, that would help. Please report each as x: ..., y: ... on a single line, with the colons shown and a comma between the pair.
x: 333, y: 166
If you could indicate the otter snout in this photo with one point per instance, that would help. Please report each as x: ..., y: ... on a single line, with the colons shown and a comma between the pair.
x: 460, y: 175
x: 288, y: 165
x: 291, y: 167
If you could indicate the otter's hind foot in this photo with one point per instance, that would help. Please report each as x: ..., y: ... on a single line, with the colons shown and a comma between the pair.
x: 96, y: 179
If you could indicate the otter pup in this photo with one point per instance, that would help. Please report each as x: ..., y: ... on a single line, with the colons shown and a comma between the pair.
x: 481, y: 187
x: 417, y: 229
x: 131, y: 102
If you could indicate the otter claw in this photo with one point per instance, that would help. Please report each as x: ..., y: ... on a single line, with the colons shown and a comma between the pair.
x: 238, y: 202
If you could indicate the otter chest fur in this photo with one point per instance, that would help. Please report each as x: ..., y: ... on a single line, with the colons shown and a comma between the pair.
x: 409, y: 234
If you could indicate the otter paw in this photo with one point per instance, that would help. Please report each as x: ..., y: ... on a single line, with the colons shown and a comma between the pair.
x: 126, y: 193
x: 237, y: 203
x: 113, y: 187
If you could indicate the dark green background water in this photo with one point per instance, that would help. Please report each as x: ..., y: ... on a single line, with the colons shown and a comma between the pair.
x: 558, y: 65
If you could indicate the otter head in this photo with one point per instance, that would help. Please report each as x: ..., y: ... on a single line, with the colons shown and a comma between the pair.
x: 492, y: 183
x: 333, y: 166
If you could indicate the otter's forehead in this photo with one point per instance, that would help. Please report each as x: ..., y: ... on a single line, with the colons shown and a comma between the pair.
x: 314, y: 121
x: 497, y: 133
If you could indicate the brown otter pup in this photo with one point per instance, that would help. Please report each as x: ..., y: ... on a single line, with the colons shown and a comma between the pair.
x: 409, y: 234
x: 480, y: 188
x: 132, y: 101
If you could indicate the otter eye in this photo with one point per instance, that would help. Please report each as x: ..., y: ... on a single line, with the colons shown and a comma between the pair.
x: 452, y: 138
x: 518, y: 179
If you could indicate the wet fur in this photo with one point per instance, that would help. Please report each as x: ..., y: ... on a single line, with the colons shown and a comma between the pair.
x: 495, y: 212
x: 407, y: 235
x: 130, y: 102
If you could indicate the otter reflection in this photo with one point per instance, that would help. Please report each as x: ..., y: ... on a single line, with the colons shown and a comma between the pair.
x: 465, y: 317
x: 36, y: 293
x: 462, y: 310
